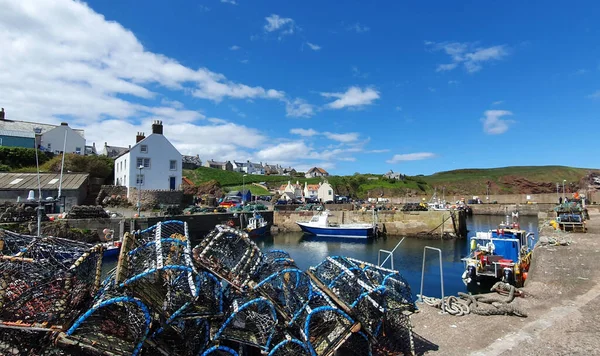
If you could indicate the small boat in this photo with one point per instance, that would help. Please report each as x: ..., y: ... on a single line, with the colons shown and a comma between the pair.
x: 320, y: 226
x: 501, y: 254
x: 257, y: 226
x: 112, y: 247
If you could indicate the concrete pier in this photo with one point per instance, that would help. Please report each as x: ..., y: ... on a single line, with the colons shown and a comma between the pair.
x: 562, y: 302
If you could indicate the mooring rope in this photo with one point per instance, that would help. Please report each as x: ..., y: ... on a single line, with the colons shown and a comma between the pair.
x: 486, y: 305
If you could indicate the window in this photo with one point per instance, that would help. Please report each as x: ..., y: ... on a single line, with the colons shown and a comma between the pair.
x: 78, y: 150
x: 49, y: 147
x: 145, y: 162
x: 330, y: 192
x: 125, y: 163
x: 144, y: 148
x: 139, y: 180
x: 172, y: 165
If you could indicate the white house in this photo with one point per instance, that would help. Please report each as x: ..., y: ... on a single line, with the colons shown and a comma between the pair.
x: 311, y: 190
x: 248, y: 167
x: 316, y: 172
x: 325, y: 192
x: 159, y: 159
x: 290, y: 191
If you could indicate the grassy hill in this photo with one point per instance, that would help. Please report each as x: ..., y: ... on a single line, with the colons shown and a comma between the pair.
x: 505, y: 180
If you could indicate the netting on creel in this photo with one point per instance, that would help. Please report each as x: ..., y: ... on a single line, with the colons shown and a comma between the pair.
x: 290, y: 291
x: 115, y: 324
x: 326, y: 328
x: 23, y: 342
x: 49, y: 281
x: 185, y: 337
x: 290, y: 347
x: 273, y: 262
x: 395, y: 336
x: 159, y: 269
x: 230, y: 254
x: 220, y: 351
x: 249, y: 321
x: 358, y: 344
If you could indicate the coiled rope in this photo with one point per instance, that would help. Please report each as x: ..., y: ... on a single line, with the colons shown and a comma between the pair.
x: 466, y: 304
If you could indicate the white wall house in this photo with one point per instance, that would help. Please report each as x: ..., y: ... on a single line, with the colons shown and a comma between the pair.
x: 248, y: 167
x: 325, y: 192
x: 311, y: 190
x: 54, y: 140
x: 316, y: 172
x: 160, y: 160
x: 290, y: 191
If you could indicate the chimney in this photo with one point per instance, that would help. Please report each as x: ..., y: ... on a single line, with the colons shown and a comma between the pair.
x: 157, y: 127
x: 140, y: 136
x: 2, y: 113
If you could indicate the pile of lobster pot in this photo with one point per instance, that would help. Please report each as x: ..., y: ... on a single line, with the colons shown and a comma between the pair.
x: 223, y: 297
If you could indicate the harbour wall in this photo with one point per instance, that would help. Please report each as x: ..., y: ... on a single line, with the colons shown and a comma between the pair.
x: 503, y: 209
x: 391, y: 222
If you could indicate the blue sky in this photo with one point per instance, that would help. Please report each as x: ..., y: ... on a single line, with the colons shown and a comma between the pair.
x: 415, y: 87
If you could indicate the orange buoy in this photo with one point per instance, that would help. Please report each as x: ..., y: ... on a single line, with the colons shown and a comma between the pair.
x: 524, y: 276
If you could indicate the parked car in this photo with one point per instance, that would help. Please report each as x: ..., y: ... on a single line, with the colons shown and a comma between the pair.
x: 281, y: 202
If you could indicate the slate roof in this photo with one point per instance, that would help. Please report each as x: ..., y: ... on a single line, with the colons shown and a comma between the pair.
x: 115, y: 151
x: 29, y: 181
x: 317, y: 169
x: 16, y: 133
x: 16, y: 125
x: 192, y: 160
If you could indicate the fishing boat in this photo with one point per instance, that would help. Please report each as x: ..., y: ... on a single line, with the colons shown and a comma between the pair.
x: 112, y: 247
x: 257, y: 226
x: 502, y: 254
x: 319, y: 225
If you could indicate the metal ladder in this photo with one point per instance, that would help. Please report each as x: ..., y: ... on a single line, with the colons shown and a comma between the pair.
x: 420, y: 295
x: 390, y: 254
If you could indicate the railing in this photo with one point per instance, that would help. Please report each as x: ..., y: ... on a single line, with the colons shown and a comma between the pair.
x: 390, y: 254
x: 420, y: 296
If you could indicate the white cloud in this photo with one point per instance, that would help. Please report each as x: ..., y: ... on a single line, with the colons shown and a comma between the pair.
x: 298, y: 108
x: 453, y: 82
x: 410, y: 157
x: 234, y: 48
x: 286, y: 152
x: 357, y: 73
x: 493, y: 124
x: 398, y: 108
x: 232, y: 2
x: 172, y: 103
x: 304, y: 132
x: 358, y: 28
x: 283, y: 25
x: 344, y: 138
x: 379, y: 151
x: 468, y: 54
x: 313, y: 46
x: 353, y: 97
x: 498, y: 102
x: 595, y: 95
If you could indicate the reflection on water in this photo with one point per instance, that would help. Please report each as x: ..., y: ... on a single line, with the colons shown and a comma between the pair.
x: 408, y: 258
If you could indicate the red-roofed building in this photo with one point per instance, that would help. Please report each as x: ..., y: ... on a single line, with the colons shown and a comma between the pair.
x: 316, y: 172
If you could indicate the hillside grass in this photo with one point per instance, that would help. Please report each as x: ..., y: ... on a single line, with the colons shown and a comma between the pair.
x: 255, y: 190
x: 229, y: 178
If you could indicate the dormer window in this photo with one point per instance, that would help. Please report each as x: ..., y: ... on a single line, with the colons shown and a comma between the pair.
x: 144, y: 148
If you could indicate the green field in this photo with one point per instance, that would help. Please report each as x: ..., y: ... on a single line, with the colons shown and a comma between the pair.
x: 505, y: 180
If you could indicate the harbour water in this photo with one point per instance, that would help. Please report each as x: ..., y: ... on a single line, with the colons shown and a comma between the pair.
x: 408, y: 258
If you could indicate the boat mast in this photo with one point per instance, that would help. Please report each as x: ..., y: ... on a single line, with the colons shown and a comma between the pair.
x: 39, y: 212
x: 62, y: 166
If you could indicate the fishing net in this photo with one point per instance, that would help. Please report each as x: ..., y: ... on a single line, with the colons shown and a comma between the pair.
x: 220, y: 351
x: 157, y: 267
x: 395, y: 336
x: 289, y: 347
x: 116, y: 324
x: 289, y: 290
x: 357, y: 344
x: 273, y: 262
x: 48, y: 281
x: 249, y: 321
x: 185, y: 337
x: 230, y: 254
x: 23, y: 342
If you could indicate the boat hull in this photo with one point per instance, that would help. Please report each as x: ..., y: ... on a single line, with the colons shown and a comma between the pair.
x: 111, y: 253
x: 338, y: 232
x: 261, y: 231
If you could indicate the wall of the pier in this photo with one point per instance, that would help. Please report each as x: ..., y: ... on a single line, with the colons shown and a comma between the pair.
x: 392, y: 222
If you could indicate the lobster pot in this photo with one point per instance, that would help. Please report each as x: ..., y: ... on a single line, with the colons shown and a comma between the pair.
x: 398, y: 295
x: 289, y: 290
x: 395, y: 336
x: 116, y: 324
x: 209, y: 300
x: 273, y: 262
x: 185, y: 337
x: 358, y: 344
x: 160, y: 271
x: 249, y: 321
x: 37, y: 286
x: 363, y: 299
x: 230, y: 254
x: 220, y: 351
x: 20, y: 342
x: 12, y: 243
x: 289, y: 347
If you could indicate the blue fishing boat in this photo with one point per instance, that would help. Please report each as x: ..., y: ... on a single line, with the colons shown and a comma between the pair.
x: 502, y: 254
x: 257, y: 226
x: 320, y: 226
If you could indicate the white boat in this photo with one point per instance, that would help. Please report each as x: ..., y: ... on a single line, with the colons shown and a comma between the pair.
x: 320, y: 226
